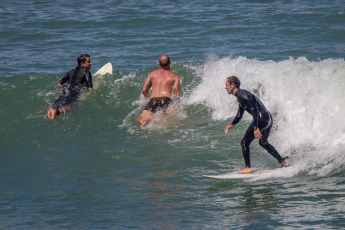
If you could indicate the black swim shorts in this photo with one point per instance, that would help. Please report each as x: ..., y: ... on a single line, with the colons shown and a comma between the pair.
x: 158, y: 102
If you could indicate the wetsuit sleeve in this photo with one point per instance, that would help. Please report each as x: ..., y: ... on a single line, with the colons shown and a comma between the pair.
x: 88, y: 79
x: 64, y: 79
x: 239, y: 116
x: 250, y: 103
x: 252, y: 106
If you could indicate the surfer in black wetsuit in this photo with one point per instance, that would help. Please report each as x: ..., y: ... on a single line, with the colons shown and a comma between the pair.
x: 260, y: 128
x: 77, y: 78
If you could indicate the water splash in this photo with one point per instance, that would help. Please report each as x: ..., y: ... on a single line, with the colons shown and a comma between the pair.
x: 306, y: 99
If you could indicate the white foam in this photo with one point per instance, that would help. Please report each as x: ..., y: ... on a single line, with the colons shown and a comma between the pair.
x: 306, y: 99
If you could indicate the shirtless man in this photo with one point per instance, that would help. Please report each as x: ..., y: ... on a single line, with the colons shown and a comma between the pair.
x: 163, y: 82
x: 260, y: 127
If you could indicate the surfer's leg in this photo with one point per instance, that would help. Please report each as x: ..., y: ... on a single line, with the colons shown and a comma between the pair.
x: 245, y: 142
x: 164, y: 103
x: 268, y: 147
x: 144, y: 121
x: 144, y: 117
x: 59, y: 105
x: 245, y: 171
x: 52, y: 113
x: 169, y: 109
x: 271, y: 150
x: 149, y: 109
x: 54, y: 110
x: 63, y: 103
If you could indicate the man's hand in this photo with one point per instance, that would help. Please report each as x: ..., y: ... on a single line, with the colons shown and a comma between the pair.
x: 257, y: 133
x: 227, y: 129
x: 59, y: 85
x: 145, y: 93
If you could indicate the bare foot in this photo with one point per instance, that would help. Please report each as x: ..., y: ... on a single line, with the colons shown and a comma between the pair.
x: 283, y: 164
x: 245, y: 171
x: 52, y: 113
x: 144, y: 121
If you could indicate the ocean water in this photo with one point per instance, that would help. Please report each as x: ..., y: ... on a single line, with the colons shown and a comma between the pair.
x: 94, y: 167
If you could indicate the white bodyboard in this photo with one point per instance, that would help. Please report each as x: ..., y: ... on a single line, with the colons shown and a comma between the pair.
x: 106, y: 69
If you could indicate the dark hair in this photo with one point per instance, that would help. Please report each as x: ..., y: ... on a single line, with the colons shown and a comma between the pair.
x: 235, y: 80
x: 82, y: 58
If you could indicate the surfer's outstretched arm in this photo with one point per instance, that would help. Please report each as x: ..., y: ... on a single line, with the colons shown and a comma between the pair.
x: 228, y: 128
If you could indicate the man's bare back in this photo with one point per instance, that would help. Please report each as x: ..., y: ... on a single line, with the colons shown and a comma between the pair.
x: 163, y: 82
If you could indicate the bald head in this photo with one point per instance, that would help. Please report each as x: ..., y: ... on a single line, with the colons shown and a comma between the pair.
x: 164, y: 60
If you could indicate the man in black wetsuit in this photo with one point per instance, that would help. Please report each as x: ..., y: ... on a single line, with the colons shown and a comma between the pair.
x: 261, y: 126
x: 77, y: 78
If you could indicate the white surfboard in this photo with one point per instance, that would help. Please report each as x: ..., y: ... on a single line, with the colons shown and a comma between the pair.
x: 106, y: 69
x: 234, y: 175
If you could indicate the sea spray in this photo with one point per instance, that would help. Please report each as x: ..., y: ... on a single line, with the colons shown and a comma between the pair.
x: 306, y: 99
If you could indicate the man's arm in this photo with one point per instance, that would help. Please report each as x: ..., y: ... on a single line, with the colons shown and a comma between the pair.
x: 228, y: 128
x: 63, y: 79
x: 177, y: 87
x: 89, y: 80
x: 238, y: 117
x: 147, y: 86
x: 254, y: 111
x: 253, y: 107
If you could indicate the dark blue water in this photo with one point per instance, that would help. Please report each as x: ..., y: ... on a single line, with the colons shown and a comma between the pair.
x: 43, y: 36
x: 96, y: 168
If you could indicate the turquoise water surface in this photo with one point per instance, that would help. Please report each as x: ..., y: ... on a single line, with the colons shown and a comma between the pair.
x: 96, y: 168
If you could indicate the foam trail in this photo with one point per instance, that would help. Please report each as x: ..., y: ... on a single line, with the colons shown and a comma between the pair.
x: 305, y: 98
